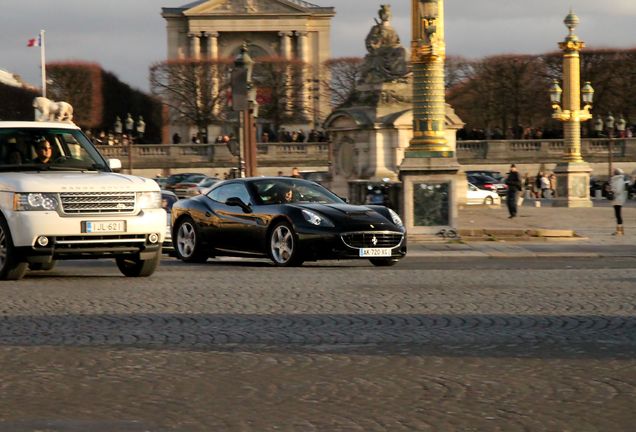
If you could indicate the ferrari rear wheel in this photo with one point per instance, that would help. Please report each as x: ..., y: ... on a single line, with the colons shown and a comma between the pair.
x: 187, y: 244
x: 383, y: 262
x: 284, y: 249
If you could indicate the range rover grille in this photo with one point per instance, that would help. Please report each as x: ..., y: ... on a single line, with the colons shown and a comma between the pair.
x: 98, y: 202
x: 383, y: 239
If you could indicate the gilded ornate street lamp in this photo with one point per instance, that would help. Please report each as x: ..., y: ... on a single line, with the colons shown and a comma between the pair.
x: 572, y: 173
x: 429, y: 170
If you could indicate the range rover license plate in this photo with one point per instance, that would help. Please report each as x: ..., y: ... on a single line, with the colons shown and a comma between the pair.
x: 104, y: 226
x: 375, y: 252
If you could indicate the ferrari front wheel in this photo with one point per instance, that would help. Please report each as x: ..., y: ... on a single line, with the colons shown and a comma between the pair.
x: 284, y: 249
x: 188, y: 243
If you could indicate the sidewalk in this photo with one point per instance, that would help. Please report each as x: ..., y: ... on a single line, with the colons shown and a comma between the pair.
x: 543, y: 231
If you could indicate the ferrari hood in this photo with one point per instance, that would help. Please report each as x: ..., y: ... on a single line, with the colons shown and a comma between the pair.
x: 352, y: 215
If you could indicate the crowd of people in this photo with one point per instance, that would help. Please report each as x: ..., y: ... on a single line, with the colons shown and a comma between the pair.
x: 520, y: 132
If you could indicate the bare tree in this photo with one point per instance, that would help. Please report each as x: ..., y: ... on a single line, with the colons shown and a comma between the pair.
x: 507, y: 91
x: 338, y: 79
x: 282, y: 94
x: 196, y: 91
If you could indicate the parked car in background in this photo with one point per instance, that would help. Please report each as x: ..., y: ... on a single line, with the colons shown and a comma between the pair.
x: 161, y: 181
x: 289, y: 220
x: 488, y: 183
x: 187, y: 188
x: 497, y: 175
x: 168, y: 199
x: 175, y: 179
x: 474, y: 195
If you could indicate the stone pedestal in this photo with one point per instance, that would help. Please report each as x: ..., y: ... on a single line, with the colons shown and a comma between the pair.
x: 429, y: 194
x: 573, y: 185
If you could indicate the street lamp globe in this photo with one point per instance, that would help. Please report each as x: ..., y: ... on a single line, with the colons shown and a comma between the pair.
x: 621, y: 124
x: 555, y: 93
x: 587, y: 93
x: 598, y: 125
x: 609, y: 121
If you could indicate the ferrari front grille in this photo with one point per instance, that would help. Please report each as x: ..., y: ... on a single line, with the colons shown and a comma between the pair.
x: 377, y: 239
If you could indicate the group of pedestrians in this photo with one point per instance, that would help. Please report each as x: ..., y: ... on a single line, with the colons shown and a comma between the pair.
x: 619, y: 186
x: 542, y: 186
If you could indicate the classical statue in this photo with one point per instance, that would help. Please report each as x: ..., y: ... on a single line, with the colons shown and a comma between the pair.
x: 48, y: 110
x: 386, y: 58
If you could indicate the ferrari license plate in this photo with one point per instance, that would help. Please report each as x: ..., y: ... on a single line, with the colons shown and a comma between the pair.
x: 116, y: 226
x: 375, y: 252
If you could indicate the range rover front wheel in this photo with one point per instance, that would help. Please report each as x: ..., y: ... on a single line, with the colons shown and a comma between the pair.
x: 135, y: 267
x: 11, y: 268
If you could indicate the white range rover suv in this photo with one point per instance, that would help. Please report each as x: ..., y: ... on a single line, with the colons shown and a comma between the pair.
x: 72, y: 206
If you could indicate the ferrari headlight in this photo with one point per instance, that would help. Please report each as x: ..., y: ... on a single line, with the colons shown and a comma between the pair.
x: 316, y: 219
x: 149, y: 200
x: 35, y: 202
x: 395, y: 218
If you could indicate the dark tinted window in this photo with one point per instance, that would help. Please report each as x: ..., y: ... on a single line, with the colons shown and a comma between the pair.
x: 230, y: 190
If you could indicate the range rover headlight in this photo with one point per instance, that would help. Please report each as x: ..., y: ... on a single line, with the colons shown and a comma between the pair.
x: 395, y: 218
x: 35, y: 202
x: 149, y: 200
x: 316, y: 219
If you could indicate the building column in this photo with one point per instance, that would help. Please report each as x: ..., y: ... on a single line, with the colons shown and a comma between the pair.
x: 212, y: 55
x: 286, y: 53
x: 213, y: 44
x: 195, y: 46
x: 305, y: 75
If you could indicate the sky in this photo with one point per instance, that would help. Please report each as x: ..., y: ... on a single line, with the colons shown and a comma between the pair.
x: 127, y: 36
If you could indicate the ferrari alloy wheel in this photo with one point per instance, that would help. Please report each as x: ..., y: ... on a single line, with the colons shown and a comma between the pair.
x: 10, y: 267
x: 283, y: 246
x: 187, y: 243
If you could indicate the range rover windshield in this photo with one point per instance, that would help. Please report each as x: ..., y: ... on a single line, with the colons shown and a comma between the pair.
x: 38, y: 149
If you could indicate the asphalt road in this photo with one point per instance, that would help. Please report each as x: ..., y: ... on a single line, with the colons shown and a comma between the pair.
x: 236, y: 345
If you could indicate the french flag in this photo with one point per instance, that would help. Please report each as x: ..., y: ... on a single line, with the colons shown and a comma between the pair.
x: 35, y: 42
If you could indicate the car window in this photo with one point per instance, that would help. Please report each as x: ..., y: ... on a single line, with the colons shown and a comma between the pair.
x: 69, y: 149
x: 273, y: 190
x: 231, y: 190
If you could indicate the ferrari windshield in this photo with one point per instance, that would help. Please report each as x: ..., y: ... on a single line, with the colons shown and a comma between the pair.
x: 286, y: 190
x: 48, y: 148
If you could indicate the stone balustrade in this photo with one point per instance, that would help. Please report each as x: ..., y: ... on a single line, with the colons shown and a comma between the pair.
x: 319, y: 154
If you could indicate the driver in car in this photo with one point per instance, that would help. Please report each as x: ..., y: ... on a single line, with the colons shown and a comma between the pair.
x: 43, y: 152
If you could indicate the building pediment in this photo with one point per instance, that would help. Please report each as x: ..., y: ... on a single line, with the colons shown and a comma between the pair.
x: 249, y: 7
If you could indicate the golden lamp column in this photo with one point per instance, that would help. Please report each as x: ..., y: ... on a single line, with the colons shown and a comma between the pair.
x: 572, y: 172
x: 428, y: 54
x: 571, y: 113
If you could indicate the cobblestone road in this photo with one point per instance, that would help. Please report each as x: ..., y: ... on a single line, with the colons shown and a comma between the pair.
x: 473, y: 345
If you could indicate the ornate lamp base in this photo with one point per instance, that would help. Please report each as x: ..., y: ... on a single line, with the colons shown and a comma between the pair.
x: 573, y: 185
x: 429, y: 194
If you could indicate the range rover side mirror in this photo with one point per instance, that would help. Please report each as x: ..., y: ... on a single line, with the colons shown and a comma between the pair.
x: 114, y: 164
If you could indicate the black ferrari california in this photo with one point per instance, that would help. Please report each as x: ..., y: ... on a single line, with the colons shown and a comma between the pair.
x: 289, y: 220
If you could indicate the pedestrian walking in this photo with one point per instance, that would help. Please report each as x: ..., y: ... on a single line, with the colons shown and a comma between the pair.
x: 553, y: 184
x: 545, y: 186
x: 618, y: 187
x: 513, y: 181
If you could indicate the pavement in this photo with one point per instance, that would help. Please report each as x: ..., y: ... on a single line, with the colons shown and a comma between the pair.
x: 539, y: 230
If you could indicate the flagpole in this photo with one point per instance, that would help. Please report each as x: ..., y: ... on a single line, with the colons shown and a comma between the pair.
x: 43, y: 63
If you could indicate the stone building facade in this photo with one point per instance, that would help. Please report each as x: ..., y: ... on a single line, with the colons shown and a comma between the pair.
x: 292, y: 29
